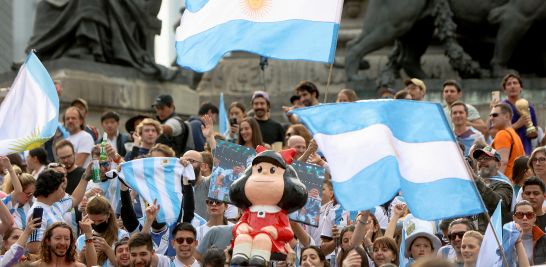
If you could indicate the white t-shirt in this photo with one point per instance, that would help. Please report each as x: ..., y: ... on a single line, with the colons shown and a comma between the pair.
x: 175, y: 125
x: 451, y: 253
x: 315, y: 232
x: 83, y: 143
x: 202, y: 230
x: 165, y: 261
x: 51, y: 215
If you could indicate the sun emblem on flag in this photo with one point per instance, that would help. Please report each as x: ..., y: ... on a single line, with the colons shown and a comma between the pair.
x: 256, y: 9
x: 30, y: 142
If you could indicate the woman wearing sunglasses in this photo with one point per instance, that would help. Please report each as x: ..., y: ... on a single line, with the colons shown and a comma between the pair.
x: 215, y: 209
x: 532, y: 238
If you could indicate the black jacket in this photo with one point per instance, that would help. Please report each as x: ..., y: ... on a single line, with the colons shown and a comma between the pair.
x: 122, y: 139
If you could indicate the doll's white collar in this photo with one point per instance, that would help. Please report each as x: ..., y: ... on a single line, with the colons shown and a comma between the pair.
x: 267, y: 209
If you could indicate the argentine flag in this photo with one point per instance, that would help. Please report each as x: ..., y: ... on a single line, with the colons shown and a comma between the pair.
x: 488, y: 251
x: 376, y: 148
x: 33, y: 100
x: 280, y: 29
x: 158, y: 178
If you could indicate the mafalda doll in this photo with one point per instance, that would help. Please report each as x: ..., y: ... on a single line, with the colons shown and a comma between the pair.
x: 268, y: 191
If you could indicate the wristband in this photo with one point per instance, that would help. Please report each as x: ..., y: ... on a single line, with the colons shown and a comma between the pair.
x: 362, y: 222
x: 88, y: 241
x: 87, y: 177
x: 517, y: 242
x: 118, y: 159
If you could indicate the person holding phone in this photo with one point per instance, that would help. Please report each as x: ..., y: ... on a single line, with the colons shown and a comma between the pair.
x: 51, y: 197
x: 237, y: 112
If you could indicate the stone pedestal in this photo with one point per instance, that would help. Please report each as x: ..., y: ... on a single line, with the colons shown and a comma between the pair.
x: 109, y: 87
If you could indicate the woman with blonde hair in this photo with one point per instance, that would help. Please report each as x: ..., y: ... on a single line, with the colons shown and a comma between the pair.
x: 346, y: 95
x: 105, y: 230
x: 27, y: 183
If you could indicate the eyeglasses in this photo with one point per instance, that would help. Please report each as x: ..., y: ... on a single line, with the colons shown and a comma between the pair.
x: 213, y: 201
x: 291, y: 134
x: 105, y: 164
x: 529, y: 215
x: 494, y: 115
x: 55, y: 165
x: 386, y: 97
x: 192, y: 161
x: 66, y: 157
x: 29, y: 194
x: 452, y: 236
x: 180, y: 240
x: 484, y: 158
x: 540, y: 160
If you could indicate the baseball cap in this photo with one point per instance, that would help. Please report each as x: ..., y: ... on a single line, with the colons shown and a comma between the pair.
x: 385, y: 89
x: 487, y: 150
x: 294, y: 98
x: 418, y: 228
x: 81, y: 101
x: 260, y: 94
x: 416, y: 82
x: 163, y: 100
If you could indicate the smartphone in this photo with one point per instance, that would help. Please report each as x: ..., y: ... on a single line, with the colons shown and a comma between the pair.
x: 38, y: 213
x: 232, y: 121
x: 495, y: 95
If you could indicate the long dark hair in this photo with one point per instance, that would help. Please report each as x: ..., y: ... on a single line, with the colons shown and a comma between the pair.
x: 294, y: 195
x: 40, y: 153
x: 256, y: 133
x: 319, y: 253
x: 363, y: 254
x: 519, y: 169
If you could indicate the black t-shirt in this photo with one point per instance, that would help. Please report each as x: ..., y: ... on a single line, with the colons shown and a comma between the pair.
x: 272, y: 131
x: 540, y: 222
x: 73, y: 179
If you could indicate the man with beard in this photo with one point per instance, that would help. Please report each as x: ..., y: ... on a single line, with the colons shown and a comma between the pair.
x: 143, y: 254
x: 121, y: 248
x: 74, y: 122
x: 51, y: 197
x: 492, y: 187
x: 456, y: 231
x: 308, y: 93
x: 67, y: 156
x: 272, y: 131
x: 58, y: 248
x: 201, y: 184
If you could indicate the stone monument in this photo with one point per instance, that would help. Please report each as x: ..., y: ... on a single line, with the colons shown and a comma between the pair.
x: 103, y: 51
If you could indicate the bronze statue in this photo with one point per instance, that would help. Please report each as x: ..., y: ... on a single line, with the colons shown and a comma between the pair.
x: 119, y: 32
x: 410, y: 25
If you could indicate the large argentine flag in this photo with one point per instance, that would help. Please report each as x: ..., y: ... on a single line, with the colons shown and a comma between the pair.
x: 158, y: 178
x: 281, y: 29
x: 376, y: 148
x: 30, y: 112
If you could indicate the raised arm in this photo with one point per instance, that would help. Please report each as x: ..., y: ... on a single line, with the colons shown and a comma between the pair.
x: 17, y: 188
x: 208, y: 131
x: 188, y: 202
x: 399, y: 210
x: 79, y: 192
x: 5, y: 217
x: 17, y: 250
x: 300, y: 233
x: 127, y: 212
x: 313, y: 147
x: 360, y: 228
x: 151, y: 214
x: 90, y: 250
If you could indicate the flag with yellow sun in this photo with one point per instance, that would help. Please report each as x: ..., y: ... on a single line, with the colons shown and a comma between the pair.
x: 30, y: 112
x: 280, y: 29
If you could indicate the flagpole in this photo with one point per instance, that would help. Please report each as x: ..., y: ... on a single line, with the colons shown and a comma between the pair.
x: 328, y: 84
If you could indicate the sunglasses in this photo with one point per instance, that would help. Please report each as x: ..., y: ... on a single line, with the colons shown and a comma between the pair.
x: 452, y: 236
x: 494, y: 115
x: 180, y: 240
x: 213, y: 201
x: 192, y: 161
x: 105, y: 164
x: 529, y: 215
x: 540, y: 160
x: 55, y: 164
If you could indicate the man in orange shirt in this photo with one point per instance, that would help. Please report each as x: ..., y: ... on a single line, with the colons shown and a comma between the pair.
x: 506, y: 142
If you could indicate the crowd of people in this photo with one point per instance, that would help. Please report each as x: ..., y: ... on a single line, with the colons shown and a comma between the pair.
x: 106, y: 223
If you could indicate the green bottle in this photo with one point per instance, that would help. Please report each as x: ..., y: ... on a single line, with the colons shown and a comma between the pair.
x: 103, y: 156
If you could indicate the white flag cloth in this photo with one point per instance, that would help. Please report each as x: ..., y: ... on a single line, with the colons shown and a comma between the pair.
x: 157, y: 178
x: 30, y: 112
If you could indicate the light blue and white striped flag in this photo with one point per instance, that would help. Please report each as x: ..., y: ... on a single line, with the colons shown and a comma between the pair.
x: 223, y: 116
x: 377, y: 148
x: 29, y: 114
x: 488, y: 251
x: 158, y: 178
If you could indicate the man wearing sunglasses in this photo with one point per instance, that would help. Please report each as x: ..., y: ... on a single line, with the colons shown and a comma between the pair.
x: 456, y: 231
x: 507, y: 141
x: 184, y: 242
x: 491, y: 187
